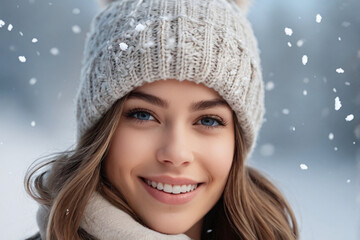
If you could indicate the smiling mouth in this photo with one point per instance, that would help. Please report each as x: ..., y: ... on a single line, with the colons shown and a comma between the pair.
x: 171, y: 188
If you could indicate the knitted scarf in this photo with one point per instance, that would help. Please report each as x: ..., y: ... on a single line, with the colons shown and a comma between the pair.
x: 106, y: 222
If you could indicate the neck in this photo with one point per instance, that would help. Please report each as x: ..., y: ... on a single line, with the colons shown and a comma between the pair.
x: 195, y: 231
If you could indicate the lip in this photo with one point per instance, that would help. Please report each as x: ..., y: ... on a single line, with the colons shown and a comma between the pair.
x: 168, y: 198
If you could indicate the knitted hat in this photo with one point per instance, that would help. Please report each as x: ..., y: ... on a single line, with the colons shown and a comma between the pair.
x: 133, y: 42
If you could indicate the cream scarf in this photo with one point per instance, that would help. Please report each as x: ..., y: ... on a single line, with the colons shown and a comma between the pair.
x: 106, y: 222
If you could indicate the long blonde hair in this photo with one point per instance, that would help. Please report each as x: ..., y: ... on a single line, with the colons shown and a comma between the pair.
x: 251, y: 207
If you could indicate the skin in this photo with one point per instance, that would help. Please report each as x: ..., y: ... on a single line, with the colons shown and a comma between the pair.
x: 173, y: 141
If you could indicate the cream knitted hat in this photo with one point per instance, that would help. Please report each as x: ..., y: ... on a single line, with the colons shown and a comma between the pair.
x: 133, y: 42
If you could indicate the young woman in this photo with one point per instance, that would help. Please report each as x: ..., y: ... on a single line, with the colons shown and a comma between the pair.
x: 168, y: 110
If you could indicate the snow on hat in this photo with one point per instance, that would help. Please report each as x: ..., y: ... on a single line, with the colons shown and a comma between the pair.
x: 133, y: 42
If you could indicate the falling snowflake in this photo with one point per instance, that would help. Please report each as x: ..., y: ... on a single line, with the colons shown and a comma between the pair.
x: 267, y: 150
x: 334, y: 90
x: 76, y: 11
x: 288, y: 31
x: 300, y: 43
x: 286, y: 111
x: 335, y: 148
x: 303, y: 166
x: 331, y: 136
x: 21, y: 34
x: 22, y: 59
x: 34, y: 40
x: 345, y: 24
x: 269, y: 86
x: 339, y: 38
x: 292, y: 128
x: 140, y: 27
x: 76, y: 29
x: 123, y: 46
x: 54, y: 51
x: 348, y: 181
x: 340, y: 70
x: 10, y: 27
x: 2, y: 23
x: 304, y: 60
x: 32, y: 81
x: 33, y: 123
x: 347, y: 83
x: 349, y: 117
x: 289, y: 44
x: 305, y: 93
x: 318, y: 18
x: 337, y: 103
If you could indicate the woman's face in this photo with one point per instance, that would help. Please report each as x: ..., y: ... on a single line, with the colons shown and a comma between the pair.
x: 171, y: 154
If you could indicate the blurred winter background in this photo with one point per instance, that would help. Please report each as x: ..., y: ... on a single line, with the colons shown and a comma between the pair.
x: 309, y: 144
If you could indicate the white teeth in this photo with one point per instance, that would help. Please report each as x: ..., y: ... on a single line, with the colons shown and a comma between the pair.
x: 167, y: 188
x: 174, y: 189
x: 160, y: 186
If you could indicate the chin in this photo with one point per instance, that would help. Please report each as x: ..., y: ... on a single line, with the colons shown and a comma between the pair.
x: 171, y: 229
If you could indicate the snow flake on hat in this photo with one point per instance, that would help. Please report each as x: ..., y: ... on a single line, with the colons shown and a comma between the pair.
x: 123, y: 46
x: 140, y: 27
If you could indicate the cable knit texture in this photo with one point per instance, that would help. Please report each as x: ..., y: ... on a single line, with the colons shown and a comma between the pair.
x: 132, y: 42
x: 106, y: 222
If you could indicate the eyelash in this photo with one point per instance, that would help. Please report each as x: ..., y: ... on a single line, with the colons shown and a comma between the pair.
x: 130, y: 113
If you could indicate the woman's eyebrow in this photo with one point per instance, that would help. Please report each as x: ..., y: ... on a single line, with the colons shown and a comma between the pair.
x: 197, y: 106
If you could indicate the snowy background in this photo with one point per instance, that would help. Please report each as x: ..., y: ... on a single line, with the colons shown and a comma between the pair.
x: 310, y: 54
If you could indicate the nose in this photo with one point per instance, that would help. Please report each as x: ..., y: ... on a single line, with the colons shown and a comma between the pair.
x: 175, y: 149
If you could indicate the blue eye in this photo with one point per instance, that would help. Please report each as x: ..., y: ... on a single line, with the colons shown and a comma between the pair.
x: 209, y: 122
x: 141, y: 115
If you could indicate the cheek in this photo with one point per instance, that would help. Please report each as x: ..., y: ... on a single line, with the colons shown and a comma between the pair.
x: 128, y: 148
x: 219, y: 157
